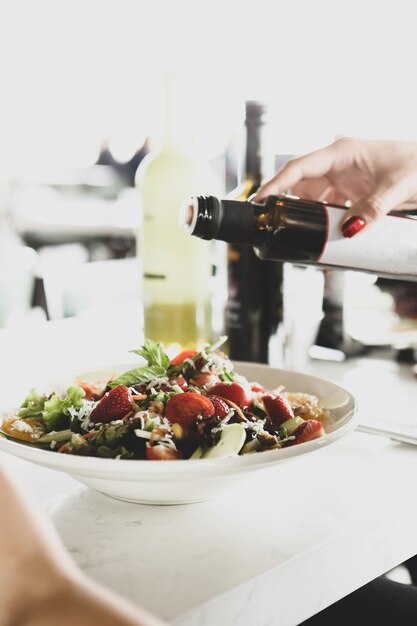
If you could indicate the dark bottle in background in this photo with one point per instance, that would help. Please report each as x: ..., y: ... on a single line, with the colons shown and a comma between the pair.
x: 254, y: 301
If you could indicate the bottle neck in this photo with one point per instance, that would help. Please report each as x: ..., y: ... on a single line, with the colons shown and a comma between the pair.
x: 259, y: 159
x: 253, y: 165
x: 176, y: 128
x: 233, y: 221
x: 300, y: 226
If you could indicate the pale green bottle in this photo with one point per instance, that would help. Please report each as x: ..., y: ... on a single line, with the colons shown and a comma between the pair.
x: 176, y: 267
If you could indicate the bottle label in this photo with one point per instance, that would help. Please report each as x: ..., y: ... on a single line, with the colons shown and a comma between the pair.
x: 388, y: 246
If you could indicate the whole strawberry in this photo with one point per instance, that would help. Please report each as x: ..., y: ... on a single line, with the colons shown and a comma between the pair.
x: 114, y: 405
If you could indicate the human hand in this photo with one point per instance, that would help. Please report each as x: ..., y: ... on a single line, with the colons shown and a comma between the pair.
x: 40, y: 584
x: 372, y: 177
x: 29, y: 553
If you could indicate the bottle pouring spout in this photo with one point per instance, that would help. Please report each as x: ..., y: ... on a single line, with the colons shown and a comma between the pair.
x: 188, y: 216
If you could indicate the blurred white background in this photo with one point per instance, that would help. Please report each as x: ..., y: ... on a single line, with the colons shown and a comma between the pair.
x: 77, y: 75
x: 75, y: 72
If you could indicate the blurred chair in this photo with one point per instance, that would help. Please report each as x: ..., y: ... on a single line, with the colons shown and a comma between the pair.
x: 74, y: 286
x: 17, y: 279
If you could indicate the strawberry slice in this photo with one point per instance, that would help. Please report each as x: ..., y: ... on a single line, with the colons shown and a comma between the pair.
x: 220, y: 407
x: 162, y: 453
x: 204, y: 380
x: 182, y: 356
x: 278, y: 408
x: 178, y: 380
x: 308, y: 430
x: 256, y: 387
x: 113, y: 406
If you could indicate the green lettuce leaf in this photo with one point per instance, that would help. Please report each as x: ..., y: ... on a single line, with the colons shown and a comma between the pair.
x: 56, y: 410
x: 33, y: 405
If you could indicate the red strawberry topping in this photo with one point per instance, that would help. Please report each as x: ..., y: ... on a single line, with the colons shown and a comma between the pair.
x: 162, y: 453
x: 185, y: 408
x: 114, y: 405
x: 221, y: 409
x: 182, y: 356
x: 308, y: 430
x: 278, y: 408
x: 234, y: 392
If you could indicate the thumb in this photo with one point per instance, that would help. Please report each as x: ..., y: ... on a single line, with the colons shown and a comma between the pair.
x: 378, y: 203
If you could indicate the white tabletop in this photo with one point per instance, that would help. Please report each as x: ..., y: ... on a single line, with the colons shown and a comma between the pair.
x: 278, y: 551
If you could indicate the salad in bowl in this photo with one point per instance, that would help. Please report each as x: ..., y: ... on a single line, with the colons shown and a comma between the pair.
x: 193, y: 406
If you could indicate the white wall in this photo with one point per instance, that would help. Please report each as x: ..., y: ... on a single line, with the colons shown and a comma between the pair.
x: 74, y: 71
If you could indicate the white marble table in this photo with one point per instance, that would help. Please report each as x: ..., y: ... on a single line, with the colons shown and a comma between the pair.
x: 309, y: 533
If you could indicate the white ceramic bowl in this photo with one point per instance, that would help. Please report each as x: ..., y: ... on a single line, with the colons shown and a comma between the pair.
x: 178, y: 482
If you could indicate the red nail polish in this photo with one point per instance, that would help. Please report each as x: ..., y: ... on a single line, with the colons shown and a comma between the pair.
x: 352, y: 226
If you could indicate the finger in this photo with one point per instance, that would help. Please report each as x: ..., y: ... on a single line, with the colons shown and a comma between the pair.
x: 312, y: 189
x: 366, y: 211
x: 334, y: 196
x: 313, y: 165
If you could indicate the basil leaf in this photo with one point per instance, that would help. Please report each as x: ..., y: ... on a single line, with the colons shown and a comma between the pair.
x: 138, y: 376
x: 153, y: 353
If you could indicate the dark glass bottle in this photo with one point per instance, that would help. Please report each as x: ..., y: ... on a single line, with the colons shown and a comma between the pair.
x: 254, y: 302
x: 305, y: 232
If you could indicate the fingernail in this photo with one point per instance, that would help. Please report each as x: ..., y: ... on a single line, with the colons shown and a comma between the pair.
x: 352, y: 226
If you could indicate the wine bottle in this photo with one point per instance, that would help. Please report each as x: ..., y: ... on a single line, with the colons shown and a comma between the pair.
x: 306, y: 232
x: 176, y: 268
x: 254, y: 302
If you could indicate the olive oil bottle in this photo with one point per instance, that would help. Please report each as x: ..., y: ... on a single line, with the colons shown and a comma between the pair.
x: 306, y: 232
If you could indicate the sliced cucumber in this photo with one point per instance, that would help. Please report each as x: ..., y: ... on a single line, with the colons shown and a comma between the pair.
x: 231, y: 442
x: 251, y: 447
x: 59, y: 435
x: 292, y: 424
